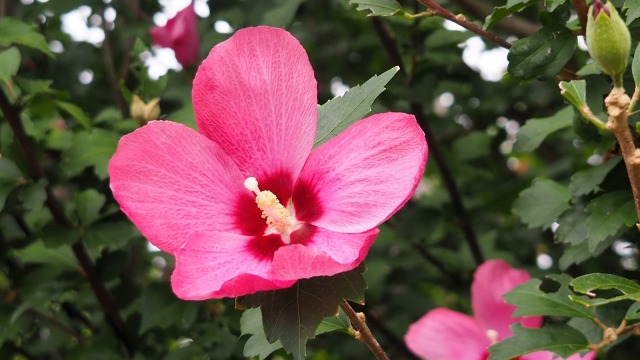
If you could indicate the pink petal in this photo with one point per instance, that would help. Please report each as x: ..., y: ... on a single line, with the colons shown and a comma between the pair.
x: 548, y: 355
x: 216, y: 265
x: 491, y: 281
x: 180, y: 34
x: 323, y: 253
x: 358, y: 179
x: 255, y: 95
x: 172, y: 181
x: 443, y: 334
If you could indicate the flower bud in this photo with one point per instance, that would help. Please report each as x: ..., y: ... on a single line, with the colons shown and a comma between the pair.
x: 608, y: 40
x: 144, y: 112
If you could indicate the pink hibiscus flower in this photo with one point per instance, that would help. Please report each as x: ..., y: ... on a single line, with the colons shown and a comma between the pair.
x: 443, y: 334
x: 246, y: 204
x: 180, y: 34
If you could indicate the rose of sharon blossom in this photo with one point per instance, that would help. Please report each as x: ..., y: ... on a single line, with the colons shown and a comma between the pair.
x: 180, y: 34
x: 245, y: 204
x: 443, y: 334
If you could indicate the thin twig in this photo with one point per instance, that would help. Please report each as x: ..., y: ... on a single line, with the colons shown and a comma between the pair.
x: 362, y: 331
x: 12, y: 115
x: 462, y: 21
x: 434, y: 149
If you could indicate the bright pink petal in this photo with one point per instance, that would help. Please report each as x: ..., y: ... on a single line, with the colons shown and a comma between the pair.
x: 214, y: 265
x: 491, y: 281
x: 443, y: 334
x: 323, y: 253
x: 180, y: 34
x: 172, y: 181
x: 358, y: 179
x: 547, y: 355
x: 255, y: 95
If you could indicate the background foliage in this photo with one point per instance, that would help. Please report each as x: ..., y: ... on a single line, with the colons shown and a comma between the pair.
x: 509, y: 162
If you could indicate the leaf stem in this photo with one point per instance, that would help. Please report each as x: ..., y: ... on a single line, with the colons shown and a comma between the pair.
x: 362, y: 331
x: 12, y: 115
x: 618, y: 103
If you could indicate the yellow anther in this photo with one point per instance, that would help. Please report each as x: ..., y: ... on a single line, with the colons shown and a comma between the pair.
x: 278, y: 218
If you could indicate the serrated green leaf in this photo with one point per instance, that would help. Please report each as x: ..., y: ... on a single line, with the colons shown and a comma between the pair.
x: 608, y: 213
x: 76, y: 112
x: 512, y: 7
x: 563, y: 340
x: 377, y: 7
x: 10, y: 178
x: 292, y: 315
x: 634, y: 312
x: 587, y: 181
x: 579, y: 253
x: 340, y: 112
x: 90, y: 148
x: 9, y: 64
x: 108, y: 235
x: 589, y: 283
x: 35, y: 87
x: 14, y: 31
x: 531, y: 301
x: 571, y: 227
x: 38, y: 253
x: 542, y: 203
x: 551, y: 5
x: 257, y: 344
x: 160, y: 308
x: 534, y: 131
x: 541, y: 55
x: 635, y: 66
x: 632, y: 10
x: 576, y: 92
x: 88, y: 205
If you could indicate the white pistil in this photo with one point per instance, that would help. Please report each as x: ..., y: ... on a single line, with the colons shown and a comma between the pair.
x: 493, y: 336
x: 279, y: 219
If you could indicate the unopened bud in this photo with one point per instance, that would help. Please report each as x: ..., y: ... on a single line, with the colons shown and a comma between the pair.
x: 608, y: 40
x: 142, y: 112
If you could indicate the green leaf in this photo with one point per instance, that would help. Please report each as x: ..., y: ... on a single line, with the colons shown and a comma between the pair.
x: 14, y: 31
x: 571, y: 227
x: 512, y: 7
x: 257, y: 344
x: 608, y: 213
x: 586, y: 181
x: 632, y: 9
x: 563, y: 340
x: 587, y: 284
x: 76, y: 112
x: 160, y: 308
x: 38, y: 253
x: 9, y: 64
x: 541, y: 55
x: 635, y: 66
x: 551, y: 5
x: 534, y: 131
x: 377, y: 7
x: 292, y: 315
x: 634, y: 312
x: 88, y: 205
x: 542, y: 203
x: 10, y: 178
x: 442, y: 38
x: 580, y: 252
x: 531, y: 301
x: 90, y: 148
x: 108, y: 235
x: 340, y: 112
x: 575, y: 91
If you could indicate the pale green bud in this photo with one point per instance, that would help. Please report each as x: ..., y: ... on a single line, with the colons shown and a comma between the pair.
x: 608, y: 40
x: 143, y: 113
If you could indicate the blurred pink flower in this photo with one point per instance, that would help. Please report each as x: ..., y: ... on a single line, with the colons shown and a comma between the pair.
x: 180, y: 34
x: 443, y: 334
x: 246, y: 204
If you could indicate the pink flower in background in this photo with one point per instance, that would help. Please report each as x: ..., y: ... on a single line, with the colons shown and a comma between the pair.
x: 443, y: 334
x: 180, y: 34
x: 246, y: 204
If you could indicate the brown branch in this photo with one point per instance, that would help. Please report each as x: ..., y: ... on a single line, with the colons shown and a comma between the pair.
x: 462, y: 21
x: 513, y: 25
x: 464, y: 221
x: 12, y: 115
x: 362, y: 331
x: 582, y: 10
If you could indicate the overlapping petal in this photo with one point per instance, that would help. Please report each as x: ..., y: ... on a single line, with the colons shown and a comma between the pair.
x: 324, y: 253
x: 358, y: 179
x: 216, y: 265
x: 491, y: 281
x: 180, y: 34
x: 255, y: 95
x: 443, y: 334
x: 172, y: 181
